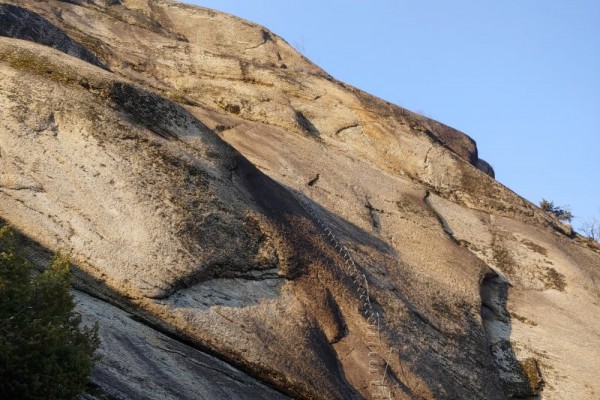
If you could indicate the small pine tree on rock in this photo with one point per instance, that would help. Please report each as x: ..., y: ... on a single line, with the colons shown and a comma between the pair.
x: 561, y: 212
x: 44, y: 354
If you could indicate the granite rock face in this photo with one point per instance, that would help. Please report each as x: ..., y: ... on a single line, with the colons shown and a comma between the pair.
x: 243, y: 225
x: 20, y: 23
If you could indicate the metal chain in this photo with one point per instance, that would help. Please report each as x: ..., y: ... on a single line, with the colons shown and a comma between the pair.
x: 377, y: 364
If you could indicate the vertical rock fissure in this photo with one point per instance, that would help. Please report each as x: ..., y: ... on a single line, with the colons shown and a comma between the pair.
x: 439, y: 217
x: 521, y: 379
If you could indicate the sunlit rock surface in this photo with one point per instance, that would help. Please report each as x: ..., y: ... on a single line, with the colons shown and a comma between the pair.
x: 242, y: 225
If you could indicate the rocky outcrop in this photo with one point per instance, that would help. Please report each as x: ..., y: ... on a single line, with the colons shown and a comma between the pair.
x: 485, y: 167
x: 254, y: 220
x: 18, y: 22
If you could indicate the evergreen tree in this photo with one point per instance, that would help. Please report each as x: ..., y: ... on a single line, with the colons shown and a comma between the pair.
x: 44, y: 354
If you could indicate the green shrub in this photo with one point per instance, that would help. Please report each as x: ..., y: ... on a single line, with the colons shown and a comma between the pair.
x: 44, y: 354
x: 561, y: 212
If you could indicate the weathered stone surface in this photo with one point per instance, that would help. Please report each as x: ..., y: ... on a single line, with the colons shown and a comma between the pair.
x: 137, y: 361
x: 215, y: 184
x: 18, y: 22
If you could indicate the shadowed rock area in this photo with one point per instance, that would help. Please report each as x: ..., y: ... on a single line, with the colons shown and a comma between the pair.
x: 20, y: 23
x: 242, y: 225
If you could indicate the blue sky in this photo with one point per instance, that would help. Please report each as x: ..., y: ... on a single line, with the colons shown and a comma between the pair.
x: 520, y: 77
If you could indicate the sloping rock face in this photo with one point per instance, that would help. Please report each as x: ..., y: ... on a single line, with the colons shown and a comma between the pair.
x: 242, y: 225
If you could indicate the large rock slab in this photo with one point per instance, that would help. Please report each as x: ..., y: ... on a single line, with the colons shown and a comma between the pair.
x: 235, y: 199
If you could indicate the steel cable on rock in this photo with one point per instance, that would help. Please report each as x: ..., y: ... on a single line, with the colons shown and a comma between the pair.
x: 376, y: 363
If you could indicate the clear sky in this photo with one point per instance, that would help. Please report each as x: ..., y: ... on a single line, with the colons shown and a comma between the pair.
x: 521, y: 77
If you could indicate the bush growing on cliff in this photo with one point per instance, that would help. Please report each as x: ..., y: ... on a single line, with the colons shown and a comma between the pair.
x: 43, y: 352
x: 561, y: 212
x: 591, y: 228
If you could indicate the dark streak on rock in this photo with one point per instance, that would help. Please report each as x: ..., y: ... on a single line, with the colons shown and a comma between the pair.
x: 439, y: 217
x: 20, y: 23
x: 305, y: 124
x: 342, y: 129
x: 314, y: 180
